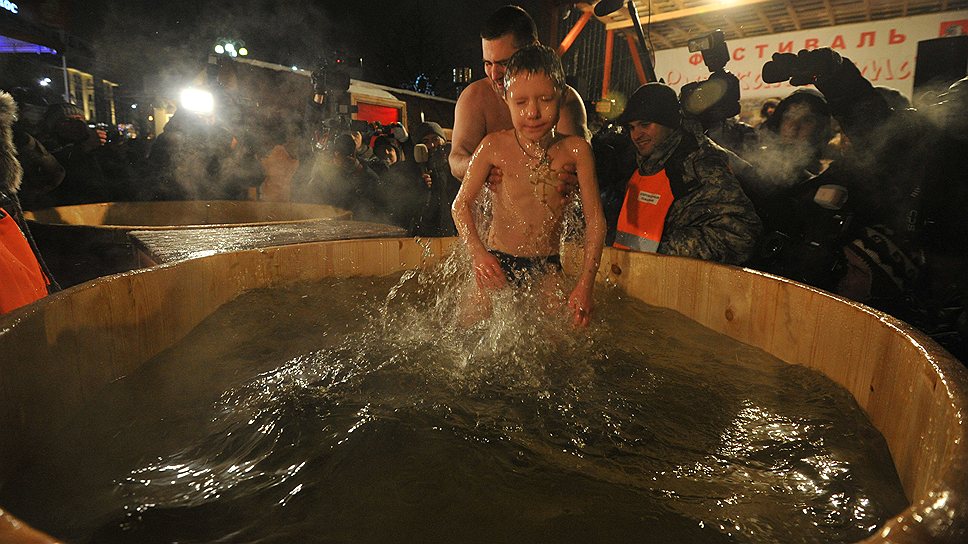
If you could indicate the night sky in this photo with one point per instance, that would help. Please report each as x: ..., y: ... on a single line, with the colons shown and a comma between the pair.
x: 397, y: 40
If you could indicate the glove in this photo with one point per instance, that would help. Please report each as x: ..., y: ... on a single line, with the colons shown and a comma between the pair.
x: 815, y: 65
x: 804, y: 68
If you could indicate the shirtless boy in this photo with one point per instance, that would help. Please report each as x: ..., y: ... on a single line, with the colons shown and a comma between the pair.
x: 527, y: 209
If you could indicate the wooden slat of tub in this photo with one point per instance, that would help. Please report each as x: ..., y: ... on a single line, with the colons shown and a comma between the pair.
x: 165, y: 246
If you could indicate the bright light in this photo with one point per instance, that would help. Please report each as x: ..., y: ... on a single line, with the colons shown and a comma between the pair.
x: 233, y: 54
x: 219, y: 49
x: 197, y: 100
x: 134, y: 106
x: 294, y: 67
x: 230, y: 47
x: 44, y: 82
x: 243, y: 51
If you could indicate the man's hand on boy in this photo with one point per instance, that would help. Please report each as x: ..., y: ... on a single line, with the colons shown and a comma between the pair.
x: 581, y: 304
x: 494, y: 177
x: 567, y: 179
x: 487, y: 271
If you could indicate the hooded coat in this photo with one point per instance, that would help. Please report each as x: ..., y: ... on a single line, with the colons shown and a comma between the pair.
x: 22, y: 278
x: 711, y: 218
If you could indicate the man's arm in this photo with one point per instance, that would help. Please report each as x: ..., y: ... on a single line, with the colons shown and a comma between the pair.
x: 573, y: 120
x: 469, y: 129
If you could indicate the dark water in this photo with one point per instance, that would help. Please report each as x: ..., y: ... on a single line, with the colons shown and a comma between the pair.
x: 332, y: 412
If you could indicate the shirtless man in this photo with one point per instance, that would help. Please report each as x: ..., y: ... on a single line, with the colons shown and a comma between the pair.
x: 481, y: 108
x: 522, y: 242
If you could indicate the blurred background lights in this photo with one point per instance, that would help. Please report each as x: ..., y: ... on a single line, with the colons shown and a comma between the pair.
x: 232, y: 48
x: 197, y: 100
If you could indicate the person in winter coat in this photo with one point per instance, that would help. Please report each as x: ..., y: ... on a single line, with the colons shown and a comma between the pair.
x: 682, y: 199
x: 22, y: 276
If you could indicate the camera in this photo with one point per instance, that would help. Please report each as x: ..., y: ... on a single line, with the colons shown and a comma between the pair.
x: 331, y: 82
x: 717, y: 98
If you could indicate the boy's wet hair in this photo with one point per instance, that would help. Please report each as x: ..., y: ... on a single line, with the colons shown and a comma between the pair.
x: 534, y: 59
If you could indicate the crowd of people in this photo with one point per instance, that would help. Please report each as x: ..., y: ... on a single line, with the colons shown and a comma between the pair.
x: 843, y: 185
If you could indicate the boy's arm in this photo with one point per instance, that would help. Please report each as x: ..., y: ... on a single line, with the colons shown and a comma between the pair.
x: 487, y: 270
x: 580, y: 300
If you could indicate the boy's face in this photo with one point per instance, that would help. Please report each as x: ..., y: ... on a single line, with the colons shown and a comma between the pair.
x: 534, y: 103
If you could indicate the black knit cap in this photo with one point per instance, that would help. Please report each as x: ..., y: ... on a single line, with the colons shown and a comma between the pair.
x: 653, y: 103
x: 422, y: 130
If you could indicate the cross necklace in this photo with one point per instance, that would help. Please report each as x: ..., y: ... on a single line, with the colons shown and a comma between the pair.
x: 543, y: 161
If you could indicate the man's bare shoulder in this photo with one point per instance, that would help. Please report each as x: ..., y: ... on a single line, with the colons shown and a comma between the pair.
x: 571, y: 95
x: 475, y: 92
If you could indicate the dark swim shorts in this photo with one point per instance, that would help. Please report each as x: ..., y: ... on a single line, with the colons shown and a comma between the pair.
x: 518, y: 269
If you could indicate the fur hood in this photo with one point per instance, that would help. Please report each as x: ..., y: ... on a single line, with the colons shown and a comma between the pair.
x: 10, y: 171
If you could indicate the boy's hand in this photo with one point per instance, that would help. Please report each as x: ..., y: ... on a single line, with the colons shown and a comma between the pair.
x: 581, y: 304
x: 487, y: 271
x: 567, y: 180
x: 494, y: 177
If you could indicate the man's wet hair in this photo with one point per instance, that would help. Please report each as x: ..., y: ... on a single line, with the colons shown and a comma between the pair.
x: 510, y: 20
x: 534, y: 59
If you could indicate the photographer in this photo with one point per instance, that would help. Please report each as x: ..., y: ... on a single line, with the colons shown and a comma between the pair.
x: 65, y: 134
x: 422, y: 189
x: 683, y: 199
x: 341, y: 180
x: 905, y: 249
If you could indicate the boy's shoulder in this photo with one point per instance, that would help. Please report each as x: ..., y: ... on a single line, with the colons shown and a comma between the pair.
x: 499, y: 136
x: 570, y: 142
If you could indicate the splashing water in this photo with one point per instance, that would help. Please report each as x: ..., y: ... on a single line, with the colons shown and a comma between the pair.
x: 357, y: 411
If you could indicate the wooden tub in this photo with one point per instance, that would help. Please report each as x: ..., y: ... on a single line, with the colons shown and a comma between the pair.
x: 59, y: 352
x: 87, y: 241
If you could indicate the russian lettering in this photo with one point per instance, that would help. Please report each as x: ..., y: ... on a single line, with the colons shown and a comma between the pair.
x: 869, y: 35
x: 895, y: 38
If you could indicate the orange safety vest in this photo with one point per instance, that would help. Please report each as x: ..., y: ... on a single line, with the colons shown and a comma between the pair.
x: 21, y: 280
x: 647, y: 202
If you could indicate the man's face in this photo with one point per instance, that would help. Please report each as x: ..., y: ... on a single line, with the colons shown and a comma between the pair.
x: 799, y: 124
x: 534, y: 103
x: 432, y: 141
x: 497, y: 52
x: 387, y: 153
x: 357, y: 139
x: 647, y: 136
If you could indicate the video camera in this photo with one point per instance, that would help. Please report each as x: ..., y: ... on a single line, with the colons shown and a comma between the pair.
x: 717, y: 98
x: 331, y: 81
